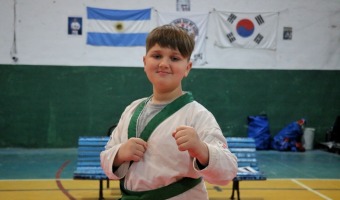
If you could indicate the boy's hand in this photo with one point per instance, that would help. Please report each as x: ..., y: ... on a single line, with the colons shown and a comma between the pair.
x: 131, y: 150
x: 188, y: 140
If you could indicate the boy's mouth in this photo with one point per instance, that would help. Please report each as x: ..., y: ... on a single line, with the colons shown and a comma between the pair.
x: 163, y: 72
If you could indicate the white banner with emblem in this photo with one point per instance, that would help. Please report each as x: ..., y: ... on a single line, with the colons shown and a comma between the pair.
x: 194, y: 23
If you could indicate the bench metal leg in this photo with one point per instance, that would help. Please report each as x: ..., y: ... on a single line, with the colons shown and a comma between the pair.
x: 236, y: 187
x: 107, y: 183
x: 101, y: 196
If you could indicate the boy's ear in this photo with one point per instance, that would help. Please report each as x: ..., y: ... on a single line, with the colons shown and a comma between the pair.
x: 144, y: 61
x: 189, y: 66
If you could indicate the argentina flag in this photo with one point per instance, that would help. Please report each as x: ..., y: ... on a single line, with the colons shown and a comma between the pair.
x: 246, y: 30
x: 108, y: 27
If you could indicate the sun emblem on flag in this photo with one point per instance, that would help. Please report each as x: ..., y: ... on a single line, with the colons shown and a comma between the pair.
x: 187, y: 25
x: 119, y: 26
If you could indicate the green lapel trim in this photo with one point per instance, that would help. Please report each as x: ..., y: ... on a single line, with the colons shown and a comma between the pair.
x: 132, y: 129
x: 166, y: 112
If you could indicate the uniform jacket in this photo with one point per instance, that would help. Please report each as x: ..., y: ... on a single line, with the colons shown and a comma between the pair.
x: 162, y: 163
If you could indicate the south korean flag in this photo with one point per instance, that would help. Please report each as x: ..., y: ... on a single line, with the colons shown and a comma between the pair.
x: 246, y: 30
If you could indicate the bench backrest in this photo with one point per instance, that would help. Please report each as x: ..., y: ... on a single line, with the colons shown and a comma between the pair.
x: 88, y: 161
x: 244, y: 149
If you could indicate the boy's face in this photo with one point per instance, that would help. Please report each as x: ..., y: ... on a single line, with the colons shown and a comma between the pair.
x: 165, y: 68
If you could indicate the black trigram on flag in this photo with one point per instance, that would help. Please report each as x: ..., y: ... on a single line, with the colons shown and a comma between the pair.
x: 258, y: 38
x: 231, y: 37
x: 231, y: 18
x: 259, y: 20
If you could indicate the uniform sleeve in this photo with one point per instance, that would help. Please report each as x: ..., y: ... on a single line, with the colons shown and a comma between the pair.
x: 107, y: 157
x: 222, y: 166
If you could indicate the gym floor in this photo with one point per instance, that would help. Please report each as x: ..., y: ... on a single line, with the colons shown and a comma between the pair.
x: 47, y: 174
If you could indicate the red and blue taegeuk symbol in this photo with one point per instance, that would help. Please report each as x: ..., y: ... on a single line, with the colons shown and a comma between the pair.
x: 245, y: 28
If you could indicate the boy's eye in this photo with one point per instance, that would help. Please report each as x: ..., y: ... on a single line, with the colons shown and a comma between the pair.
x: 156, y: 56
x: 175, y: 58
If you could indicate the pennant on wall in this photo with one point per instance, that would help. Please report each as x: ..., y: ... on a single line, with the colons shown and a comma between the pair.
x: 246, y: 30
x: 195, y: 24
x: 117, y: 27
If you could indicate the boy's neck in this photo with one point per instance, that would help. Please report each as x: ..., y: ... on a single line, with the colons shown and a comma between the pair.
x: 163, y: 98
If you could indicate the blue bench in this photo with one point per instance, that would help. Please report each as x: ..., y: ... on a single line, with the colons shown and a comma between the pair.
x: 88, y: 161
x: 245, y: 150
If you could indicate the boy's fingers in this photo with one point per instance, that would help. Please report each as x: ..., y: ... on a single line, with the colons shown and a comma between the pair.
x: 139, y: 153
x: 141, y: 142
x: 181, y: 128
x: 141, y: 148
x: 178, y: 129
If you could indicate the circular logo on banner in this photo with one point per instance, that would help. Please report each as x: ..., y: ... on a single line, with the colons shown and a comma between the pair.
x: 188, y: 25
x: 119, y: 26
x: 245, y: 28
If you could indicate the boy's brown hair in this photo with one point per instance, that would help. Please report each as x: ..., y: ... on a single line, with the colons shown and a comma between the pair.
x: 173, y: 37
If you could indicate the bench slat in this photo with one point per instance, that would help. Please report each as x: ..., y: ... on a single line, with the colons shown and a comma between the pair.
x: 89, y: 164
x: 239, y: 149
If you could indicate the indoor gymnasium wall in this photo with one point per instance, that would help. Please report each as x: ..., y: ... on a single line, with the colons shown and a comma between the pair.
x: 60, y: 88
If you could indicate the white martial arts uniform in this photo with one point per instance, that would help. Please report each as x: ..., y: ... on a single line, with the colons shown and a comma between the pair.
x: 162, y: 163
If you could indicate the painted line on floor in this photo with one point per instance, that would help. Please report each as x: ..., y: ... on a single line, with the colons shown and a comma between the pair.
x: 59, y: 184
x: 310, y: 189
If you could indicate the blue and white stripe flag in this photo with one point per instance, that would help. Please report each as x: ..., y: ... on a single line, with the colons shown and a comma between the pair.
x: 246, y: 30
x: 108, y: 27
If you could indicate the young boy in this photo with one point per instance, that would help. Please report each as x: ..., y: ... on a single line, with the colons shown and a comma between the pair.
x: 165, y: 144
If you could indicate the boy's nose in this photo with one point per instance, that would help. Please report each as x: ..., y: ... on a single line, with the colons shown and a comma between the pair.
x: 164, y: 63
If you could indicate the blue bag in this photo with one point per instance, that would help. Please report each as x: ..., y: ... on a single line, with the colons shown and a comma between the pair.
x: 289, y: 138
x: 258, y: 128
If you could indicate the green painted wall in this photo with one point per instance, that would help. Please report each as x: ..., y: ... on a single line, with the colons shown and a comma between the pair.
x: 50, y: 106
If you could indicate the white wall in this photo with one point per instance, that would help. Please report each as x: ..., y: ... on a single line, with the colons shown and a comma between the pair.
x: 42, y: 39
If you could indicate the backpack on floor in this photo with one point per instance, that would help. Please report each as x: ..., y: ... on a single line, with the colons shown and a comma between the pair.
x: 258, y: 128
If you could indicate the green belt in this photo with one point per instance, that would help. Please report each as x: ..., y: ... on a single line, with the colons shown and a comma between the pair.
x: 165, y: 192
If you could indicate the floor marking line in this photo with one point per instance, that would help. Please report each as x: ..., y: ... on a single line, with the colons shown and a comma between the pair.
x: 310, y: 189
x: 59, y: 184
